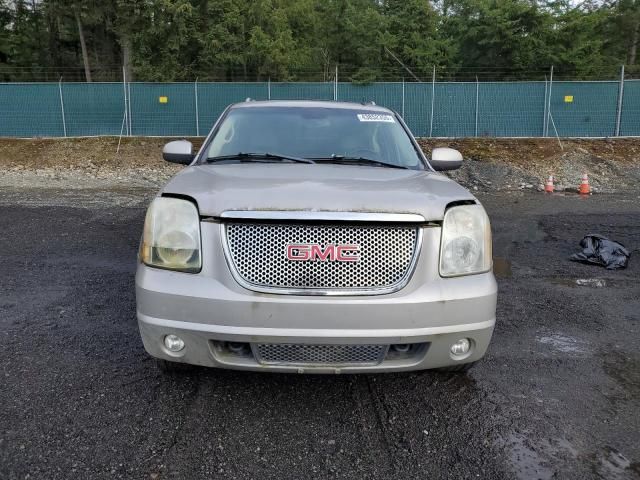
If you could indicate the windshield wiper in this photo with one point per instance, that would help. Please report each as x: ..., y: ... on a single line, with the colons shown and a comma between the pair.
x: 251, y: 156
x: 358, y: 161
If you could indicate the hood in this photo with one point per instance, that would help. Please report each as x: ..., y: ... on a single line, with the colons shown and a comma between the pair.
x: 316, y: 187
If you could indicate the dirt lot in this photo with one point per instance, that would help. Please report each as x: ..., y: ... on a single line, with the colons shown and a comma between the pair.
x: 492, y: 164
x: 557, y: 396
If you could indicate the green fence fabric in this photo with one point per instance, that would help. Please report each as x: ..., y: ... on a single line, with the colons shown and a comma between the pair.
x: 163, y: 109
x: 387, y: 94
x: 460, y: 109
x: 213, y: 98
x: 417, y: 107
x: 92, y: 109
x: 454, y: 112
x: 302, y: 91
x: 515, y: 111
x: 30, y: 110
x: 630, y: 121
x: 591, y: 111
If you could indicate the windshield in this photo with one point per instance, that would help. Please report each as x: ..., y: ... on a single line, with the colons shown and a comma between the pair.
x: 330, y: 134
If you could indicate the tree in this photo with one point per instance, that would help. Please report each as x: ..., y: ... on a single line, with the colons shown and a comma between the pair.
x: 412, y: 33
x: 507, y: 36
x: 624, y: 29
x: 250, y: 40
x: 351, y: 35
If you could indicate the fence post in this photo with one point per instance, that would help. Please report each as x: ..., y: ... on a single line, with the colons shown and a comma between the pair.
x: 269, y: 89
x: 195, y: 92
x: 477, y: 101
x: 546, y: 133
x: 64, y: 121
x: 124, y: 94
x: 620, y: 94
x: 335, y: 86
x: 130, y: 118
x: 433, y: 96
x: 544, y: 108
x: 402, y: 97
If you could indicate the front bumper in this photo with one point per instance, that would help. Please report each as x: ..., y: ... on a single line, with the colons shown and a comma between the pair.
x: 210, y: 308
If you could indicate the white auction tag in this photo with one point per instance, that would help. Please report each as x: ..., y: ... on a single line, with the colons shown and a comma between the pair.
x: 375, y: 117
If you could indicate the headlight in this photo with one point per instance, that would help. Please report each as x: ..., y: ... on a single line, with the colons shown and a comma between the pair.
x: 466, y: 241
x: 171, y: 237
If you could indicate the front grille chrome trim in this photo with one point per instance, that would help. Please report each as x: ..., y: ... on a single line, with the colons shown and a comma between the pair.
x: 320, y: 291
x: 322, y: 216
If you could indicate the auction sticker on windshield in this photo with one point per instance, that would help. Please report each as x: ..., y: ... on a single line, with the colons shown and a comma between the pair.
x: 375, y: 117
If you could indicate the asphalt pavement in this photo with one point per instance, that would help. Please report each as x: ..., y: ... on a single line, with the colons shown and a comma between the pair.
x: 557, y: 396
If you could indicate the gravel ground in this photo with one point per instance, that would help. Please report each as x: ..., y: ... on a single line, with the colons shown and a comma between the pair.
x: 557, y: 396
x: 493, y: 164
x: 507, y: 164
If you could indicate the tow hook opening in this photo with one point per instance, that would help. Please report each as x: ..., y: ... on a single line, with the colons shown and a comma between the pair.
x: 402, y: 351
x: 233, y: 349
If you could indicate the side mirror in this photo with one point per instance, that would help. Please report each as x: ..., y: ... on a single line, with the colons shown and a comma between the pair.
x: 180, y: 151
x: 445, y: 159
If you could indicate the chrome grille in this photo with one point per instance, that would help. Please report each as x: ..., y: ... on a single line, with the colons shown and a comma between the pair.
x: 258, y: 257
x: 300, y: 354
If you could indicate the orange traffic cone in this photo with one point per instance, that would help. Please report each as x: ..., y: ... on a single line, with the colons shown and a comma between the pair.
x: 584, y: 188
x: 548, y: 187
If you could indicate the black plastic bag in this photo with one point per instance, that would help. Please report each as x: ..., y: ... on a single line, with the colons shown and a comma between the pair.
x: 602, y: 251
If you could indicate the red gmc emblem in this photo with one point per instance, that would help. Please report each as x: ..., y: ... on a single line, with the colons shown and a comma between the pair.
x: 315, y: 252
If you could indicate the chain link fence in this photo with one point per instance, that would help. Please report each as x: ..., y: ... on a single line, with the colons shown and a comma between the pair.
x: 431, y: 109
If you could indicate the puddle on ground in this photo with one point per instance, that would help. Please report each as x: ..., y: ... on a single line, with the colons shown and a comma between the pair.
x: 567, y: 282
x: 536, y: 458
x: 624, y: 369
x: 612, y: 464
x: 524, y: 459
x: 582, y: 282
x: 502, y: 267
x: 514, y: 235
x: 564, y: 343
x: 591, y: 282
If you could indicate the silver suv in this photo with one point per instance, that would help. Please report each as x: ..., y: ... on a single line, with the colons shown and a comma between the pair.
x: 314, y: 237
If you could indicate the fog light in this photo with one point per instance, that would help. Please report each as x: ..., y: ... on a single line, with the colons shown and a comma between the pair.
x: 173, y: 343
x: 461, y: 347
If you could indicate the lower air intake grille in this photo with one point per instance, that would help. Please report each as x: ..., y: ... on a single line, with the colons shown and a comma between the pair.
x: 300, y: 354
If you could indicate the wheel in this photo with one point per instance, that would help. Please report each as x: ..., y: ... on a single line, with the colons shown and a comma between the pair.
x: 171, y: 368
x: 457, y: 368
